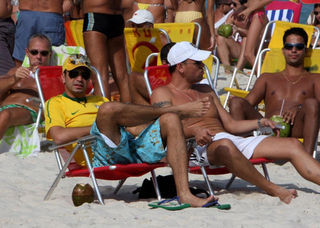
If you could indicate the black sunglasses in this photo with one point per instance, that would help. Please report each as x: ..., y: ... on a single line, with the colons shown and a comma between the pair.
x: 298, y: 46
x: 316, y: 12
x: 85, y: 74
x: 36, y: 52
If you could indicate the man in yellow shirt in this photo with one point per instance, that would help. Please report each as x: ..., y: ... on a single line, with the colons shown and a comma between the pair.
x: 69, y: 116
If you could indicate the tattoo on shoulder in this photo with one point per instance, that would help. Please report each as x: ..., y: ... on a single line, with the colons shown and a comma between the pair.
x: 161, y: 104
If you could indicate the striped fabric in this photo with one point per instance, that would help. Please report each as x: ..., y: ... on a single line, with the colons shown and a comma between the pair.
x: 279, y: 15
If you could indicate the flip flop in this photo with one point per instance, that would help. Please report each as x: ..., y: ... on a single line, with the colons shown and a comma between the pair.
x: 172, y: 204
x: 215, y: 204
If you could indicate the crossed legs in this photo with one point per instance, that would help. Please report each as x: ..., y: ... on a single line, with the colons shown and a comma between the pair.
x: 113, y: 115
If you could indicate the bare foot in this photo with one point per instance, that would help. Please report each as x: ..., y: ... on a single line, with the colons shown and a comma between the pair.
x: 194, y: 109
x: 196, y: 201
x: 286, y: 195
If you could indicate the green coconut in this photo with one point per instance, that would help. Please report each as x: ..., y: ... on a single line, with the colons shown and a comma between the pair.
x: 225, y: 30
x: 279, y: 120
x: 82, y: 193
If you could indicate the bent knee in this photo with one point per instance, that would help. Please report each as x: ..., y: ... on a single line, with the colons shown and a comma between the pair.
x: 110, y: 108
x: 237, y: 103
x: 311, y: 105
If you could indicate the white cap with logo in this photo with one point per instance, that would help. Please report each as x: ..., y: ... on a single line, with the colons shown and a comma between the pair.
x: 142, y: 16
x: 184, y: 50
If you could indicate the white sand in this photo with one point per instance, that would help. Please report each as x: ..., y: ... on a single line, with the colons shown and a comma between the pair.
x: 24, y: 183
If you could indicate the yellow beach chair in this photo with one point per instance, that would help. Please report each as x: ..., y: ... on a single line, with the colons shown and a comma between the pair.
x: 181, y: 31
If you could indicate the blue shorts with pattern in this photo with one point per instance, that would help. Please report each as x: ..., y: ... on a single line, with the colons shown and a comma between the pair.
x: 146, y: 147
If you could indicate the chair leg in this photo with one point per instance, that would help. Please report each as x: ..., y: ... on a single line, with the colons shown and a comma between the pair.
x: 206, y: 179
x: 93, y: 178
x: 61, y: 173
x: 230, y: 181
x: 265, y: 171
x: 155, y: 185
x: 121, y: 182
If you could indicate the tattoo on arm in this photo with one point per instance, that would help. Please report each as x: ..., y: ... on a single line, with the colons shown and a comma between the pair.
x: 161, y: 104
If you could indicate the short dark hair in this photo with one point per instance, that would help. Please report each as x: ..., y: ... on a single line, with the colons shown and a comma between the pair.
x: 40, y: 36
x: 296, y: 31
x: 165, y: 50
x: 172, y: 68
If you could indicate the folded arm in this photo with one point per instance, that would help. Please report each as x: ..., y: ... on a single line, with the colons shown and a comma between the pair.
x: 61, y: 135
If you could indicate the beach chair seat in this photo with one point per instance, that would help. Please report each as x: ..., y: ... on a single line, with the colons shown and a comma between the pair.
x: 156, y: 76
x: 49, y: 84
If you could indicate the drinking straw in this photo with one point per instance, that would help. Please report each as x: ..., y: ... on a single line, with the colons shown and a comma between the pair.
x: 282, y: 107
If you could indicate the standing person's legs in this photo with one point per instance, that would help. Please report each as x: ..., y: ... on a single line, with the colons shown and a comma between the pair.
x: 240, y: 109
x: 306, y: 124
x: 96, y: 49
x: 224, y: 152
x: 290, y: 149
x: 117, y: 61
x: 7, y: 30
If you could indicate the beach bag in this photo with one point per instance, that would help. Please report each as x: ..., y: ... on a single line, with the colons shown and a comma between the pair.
x: 167, y: 188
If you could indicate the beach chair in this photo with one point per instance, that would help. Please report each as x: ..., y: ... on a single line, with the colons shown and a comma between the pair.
x: 156, y: 76
x: 49, y: 84
x: 140, y: 42
x: 275, y: 42
x: 181, y: 31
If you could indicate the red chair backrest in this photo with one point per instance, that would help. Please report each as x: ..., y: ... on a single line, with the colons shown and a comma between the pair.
x: 51, y: 81
x: 158, y: 76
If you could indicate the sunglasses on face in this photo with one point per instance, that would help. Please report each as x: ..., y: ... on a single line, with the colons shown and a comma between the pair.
x: 316, y: 12
x: 36, y: 52
x: 298, y: 46
x: 85, y: 74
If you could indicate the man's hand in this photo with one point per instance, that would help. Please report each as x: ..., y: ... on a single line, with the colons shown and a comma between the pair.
x: 203, y: 136
x: 267, y: 123
x: 289, y: 115
x: 212, y: 43
x: 21, y: 73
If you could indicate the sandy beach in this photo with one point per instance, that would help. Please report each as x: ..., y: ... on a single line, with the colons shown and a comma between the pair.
x: 24, y: 183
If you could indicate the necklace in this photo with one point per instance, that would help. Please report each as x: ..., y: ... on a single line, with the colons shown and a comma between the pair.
x: 185, y: 93
x: 292, y: 82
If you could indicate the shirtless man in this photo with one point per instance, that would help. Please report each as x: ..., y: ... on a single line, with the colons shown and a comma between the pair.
x: 194, y: 11
x: 298, y: 89
x: 39, y: 16
x: 211, y: 129
x: 104, y: 42
x: 19, y: 84
x: 7, y: 29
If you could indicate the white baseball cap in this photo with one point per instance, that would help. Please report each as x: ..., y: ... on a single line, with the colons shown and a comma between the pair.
x: 184, y: 50
x: 142, y: 16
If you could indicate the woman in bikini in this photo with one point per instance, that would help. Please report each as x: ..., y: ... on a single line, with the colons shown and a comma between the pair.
x: 194, y: 11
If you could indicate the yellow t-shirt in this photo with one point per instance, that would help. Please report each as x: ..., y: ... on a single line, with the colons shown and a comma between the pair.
x: 68, y: 112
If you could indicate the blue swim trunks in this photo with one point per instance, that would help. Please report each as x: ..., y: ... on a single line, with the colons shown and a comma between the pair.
x: 146, y: 147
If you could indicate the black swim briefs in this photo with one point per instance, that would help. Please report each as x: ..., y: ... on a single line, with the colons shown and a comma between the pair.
x: 109, y: 24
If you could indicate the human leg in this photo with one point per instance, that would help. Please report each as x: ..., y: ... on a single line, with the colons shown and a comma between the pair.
x: 253, y: 38
x: 240, y: 109
x: 96, y: 49
x: 224, y: 152
x: 138, y: 89
x: 13, y: 117
x: 117, y: 58
x: 306, y: 124
x: 112, y: 115
x: 172, y: 133
x: 290, y: 149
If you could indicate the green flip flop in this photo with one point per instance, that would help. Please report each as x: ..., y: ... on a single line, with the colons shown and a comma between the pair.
x: 215, y: 204
x: 172, y: 204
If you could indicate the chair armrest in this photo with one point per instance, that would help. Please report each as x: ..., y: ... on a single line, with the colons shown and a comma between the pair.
x: 83, y: 140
